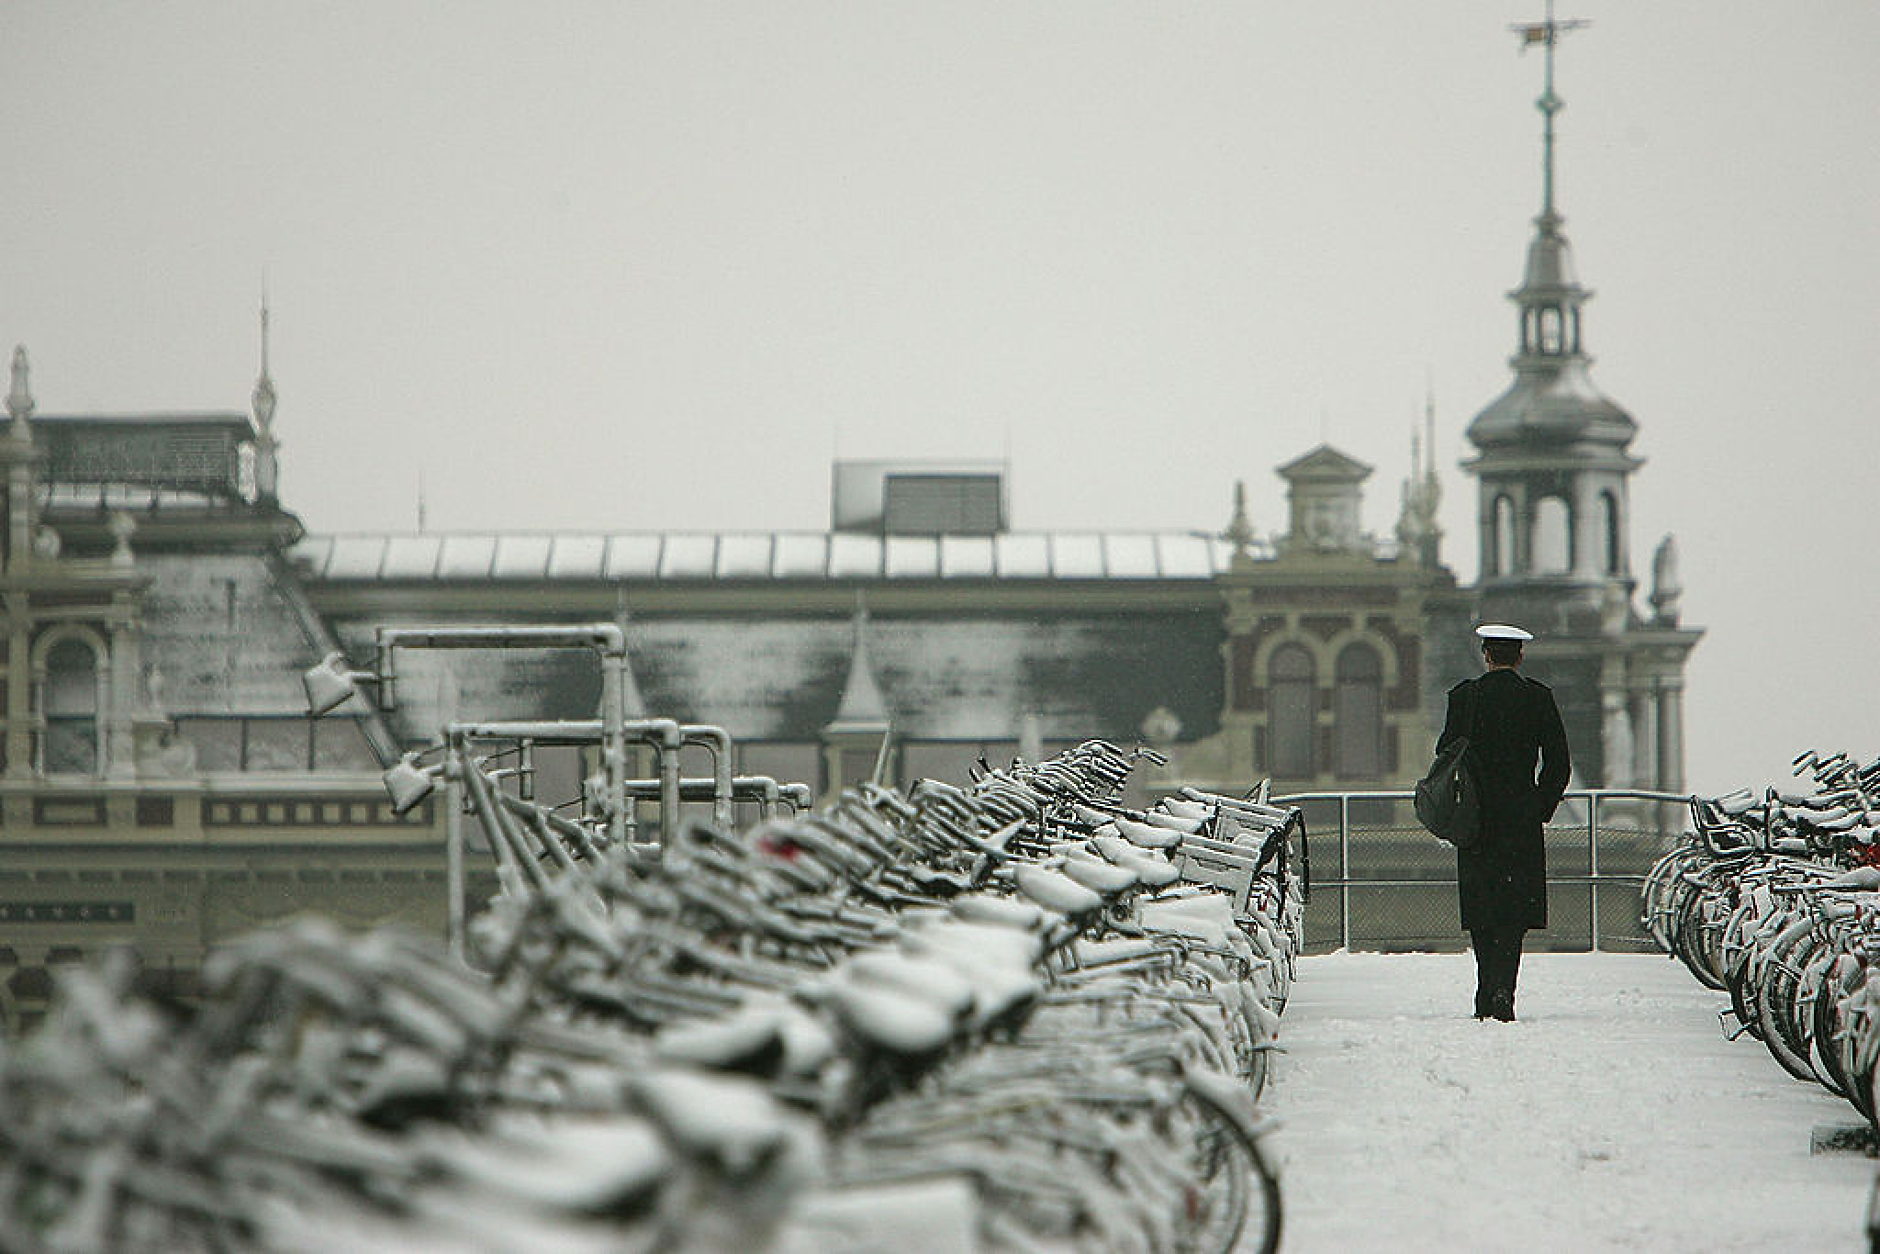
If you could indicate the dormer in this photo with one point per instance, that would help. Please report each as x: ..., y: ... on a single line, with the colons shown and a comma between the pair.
x: 1324, y: 496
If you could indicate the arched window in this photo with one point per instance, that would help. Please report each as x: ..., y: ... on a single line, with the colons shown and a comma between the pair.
x: 1358, y: 712
x: 1609, y: 511
x: 1294, y: 688
x: 1501, y: 552
x: 1553, y: 536
x: 70, y: 706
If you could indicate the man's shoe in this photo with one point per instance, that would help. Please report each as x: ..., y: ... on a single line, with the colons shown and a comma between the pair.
x: 1501, y: 1007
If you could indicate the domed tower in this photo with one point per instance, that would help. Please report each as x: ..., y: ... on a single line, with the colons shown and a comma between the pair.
x: 1553, y: 471
x: 1553, y: 468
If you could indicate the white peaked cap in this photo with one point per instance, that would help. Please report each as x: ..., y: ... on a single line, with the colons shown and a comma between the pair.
x: 1502, y: 631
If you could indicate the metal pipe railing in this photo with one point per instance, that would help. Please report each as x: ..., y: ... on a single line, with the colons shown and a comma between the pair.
x: 606, y: 639
x: 669, y: 788
x: 1594, y: 878
x: 717, y: 742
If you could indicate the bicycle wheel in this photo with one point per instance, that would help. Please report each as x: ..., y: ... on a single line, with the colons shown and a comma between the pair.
x: 1237, y: 1188
x: 1739, y: 951
x: 1696, y: 928
x: 1824, y: 1010
x: 1775, y: 1002
x: 1798, y: 1025
x: 1216, y: 1045
x: 1743, y: 1000
x: 1716, y: 919
x: 1847, y: 1040
x: 1658, y: 896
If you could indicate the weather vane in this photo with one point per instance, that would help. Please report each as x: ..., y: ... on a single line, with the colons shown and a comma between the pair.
x: 1547, y: 34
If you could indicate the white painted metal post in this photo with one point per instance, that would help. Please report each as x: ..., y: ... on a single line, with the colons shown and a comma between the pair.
x: 613, y: 747
x: 1592, y: 866
x: 455, y: 888
x: 1344, y: 870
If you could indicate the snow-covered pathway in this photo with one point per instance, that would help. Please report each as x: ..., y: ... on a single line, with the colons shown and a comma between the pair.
x: 1612, y: 1116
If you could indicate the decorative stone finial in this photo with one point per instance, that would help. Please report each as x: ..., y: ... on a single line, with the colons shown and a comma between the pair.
x: 267, y: 461
x: 264, y: 385
x: 20, y: 395
x: 1432, y: 487
x: 153, y: 690
x: 1417, y: 529
x: 264, y: 402
x: 1239, y: 531
x: 123, y: 527
x: 1667, y: 589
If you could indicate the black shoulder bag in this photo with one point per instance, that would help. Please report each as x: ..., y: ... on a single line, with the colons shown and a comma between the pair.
x: 1448, y: 801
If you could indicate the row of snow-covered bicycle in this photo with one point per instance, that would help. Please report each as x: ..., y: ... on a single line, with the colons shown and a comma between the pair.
x: 1009, y: 1014
x: 1774, y: 897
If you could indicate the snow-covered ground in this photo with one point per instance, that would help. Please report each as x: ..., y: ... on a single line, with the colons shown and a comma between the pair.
x: 1612, y: 1116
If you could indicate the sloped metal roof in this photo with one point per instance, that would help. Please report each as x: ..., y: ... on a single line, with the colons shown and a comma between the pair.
x: 1552, y: 401
x: 220, y: 637
x: 971, y: 677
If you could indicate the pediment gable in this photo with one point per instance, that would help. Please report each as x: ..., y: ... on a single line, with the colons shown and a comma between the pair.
x: 1325, y: 464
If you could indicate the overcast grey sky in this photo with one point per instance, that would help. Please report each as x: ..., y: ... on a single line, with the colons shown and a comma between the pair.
x: 614, y: 266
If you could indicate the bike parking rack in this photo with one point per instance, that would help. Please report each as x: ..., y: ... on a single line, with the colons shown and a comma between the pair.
x: 1184, y: 956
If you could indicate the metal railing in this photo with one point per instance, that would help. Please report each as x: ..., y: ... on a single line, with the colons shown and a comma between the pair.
x: 1395, y: 883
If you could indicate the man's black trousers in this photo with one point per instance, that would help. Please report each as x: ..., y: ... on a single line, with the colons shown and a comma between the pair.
x: 1497, y: 963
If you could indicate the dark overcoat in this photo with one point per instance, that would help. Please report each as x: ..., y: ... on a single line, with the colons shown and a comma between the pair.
x: 1502, y: 879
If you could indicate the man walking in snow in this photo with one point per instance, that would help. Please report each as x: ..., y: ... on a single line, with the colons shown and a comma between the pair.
x: 1513, y: 725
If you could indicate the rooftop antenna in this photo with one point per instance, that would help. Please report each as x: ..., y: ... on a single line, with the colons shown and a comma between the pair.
x: 1547, y: 34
